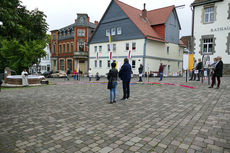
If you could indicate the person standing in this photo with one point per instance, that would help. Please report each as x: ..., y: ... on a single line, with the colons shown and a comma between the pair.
x: 212, y: 68
x: 199, y: 67
x: 161, y: 69
x: 67, y: 74
x: 218, y: 72
x: 125, y: 75
x: 74, y: 74
x: 90, y: 74
x: 193, y: 77
x: 24, y: 75
x: 112, y: 77
x: 140, y: 69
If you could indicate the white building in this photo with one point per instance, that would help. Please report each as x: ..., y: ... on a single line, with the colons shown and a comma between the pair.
x: 44, y: 65
x: 152, y: 37
x: 211, y: 30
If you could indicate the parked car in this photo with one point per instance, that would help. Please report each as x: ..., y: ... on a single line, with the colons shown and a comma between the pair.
x: 60, y: 74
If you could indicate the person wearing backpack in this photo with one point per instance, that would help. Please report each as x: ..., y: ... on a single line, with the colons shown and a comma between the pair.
x: 112, y: 84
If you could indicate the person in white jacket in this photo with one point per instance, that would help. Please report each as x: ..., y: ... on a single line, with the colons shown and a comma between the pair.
x: 25, y: 78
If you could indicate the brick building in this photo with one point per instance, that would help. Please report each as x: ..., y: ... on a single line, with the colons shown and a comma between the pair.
x: 69, y: 45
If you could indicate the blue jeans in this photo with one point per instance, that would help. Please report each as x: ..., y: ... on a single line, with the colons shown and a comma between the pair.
x: 113, y: 92
x: 161, y: 76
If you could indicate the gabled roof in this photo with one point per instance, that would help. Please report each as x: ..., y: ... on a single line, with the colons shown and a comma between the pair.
x: 160, y: 16
x: 202, y: 2
x: 154, y: 17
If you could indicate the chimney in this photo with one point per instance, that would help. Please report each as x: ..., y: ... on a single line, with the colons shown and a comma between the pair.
x: 144, y: 12
x: 96, y: 22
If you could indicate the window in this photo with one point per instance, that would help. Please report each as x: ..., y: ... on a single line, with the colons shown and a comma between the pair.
x: 63, y: 48
x: 169, y: 69
x: 178, y: 65
x: 133, y: 64
x: 114, y: 47
x: 95, y: 63
x: 207, y: 45
x: 228, y: 10
x: 60, y: 48
x: 113, y: 31
x: 108, y: 47
x: 81, y: 46
x: 54, y: 36
x: 71, y: 47
x: 69, y: 64
x: 67, y: 47
x: 108, y: 63
x: 133, y: 46
x: 179, y: 51
x: 95, y: 49
x: 127, y: 46
x: 100, y: 63
x: 62, y: 65
x: 228, y: 44
x: 81, y: 32
x: 119, y: 32
x: 167, y: 49
x: 54, y: 48
x: 107, y: 32
x: 44, y: 68
x: 100, y: 48
x: 209, y: 15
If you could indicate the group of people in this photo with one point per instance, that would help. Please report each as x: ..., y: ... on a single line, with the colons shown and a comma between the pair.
x: 216, y: 71
x: 125, y: 75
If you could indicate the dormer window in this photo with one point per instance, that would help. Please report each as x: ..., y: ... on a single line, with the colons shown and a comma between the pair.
x: 113, y: 31
x: 119, y: 31
x: 107, y: 32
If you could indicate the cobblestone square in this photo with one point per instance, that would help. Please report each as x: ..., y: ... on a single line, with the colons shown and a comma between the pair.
x: 73, y: 117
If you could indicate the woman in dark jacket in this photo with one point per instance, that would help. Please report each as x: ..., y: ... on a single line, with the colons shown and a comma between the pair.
x: 112, y: 77
x: 218, y: 72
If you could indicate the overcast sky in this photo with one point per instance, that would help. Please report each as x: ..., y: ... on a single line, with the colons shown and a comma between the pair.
x: 61, y: 13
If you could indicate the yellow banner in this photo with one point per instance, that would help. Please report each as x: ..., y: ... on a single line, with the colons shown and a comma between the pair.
x: 190, y: 59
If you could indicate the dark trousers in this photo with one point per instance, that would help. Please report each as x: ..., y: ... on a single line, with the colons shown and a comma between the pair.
x: 193, y: 77
x: 214, y: 81
x: 126, y: 90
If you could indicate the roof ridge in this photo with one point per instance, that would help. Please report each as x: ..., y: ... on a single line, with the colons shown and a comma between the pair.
x: 161, y: 8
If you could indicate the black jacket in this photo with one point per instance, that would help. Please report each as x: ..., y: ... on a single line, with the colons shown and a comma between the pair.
x: 199, y: 66
x: 219, y: 69
x: 112, y: 75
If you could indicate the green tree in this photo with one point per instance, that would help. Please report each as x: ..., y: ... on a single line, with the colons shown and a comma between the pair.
x: 22, y: 36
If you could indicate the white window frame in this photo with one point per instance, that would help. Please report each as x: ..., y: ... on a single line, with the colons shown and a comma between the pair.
x: 81, y: 32
x: 209, y: 41
x: 114, y: 47
x: 134, y: 45
x: 107, y: 32
x: 113, y: 31
x: 95, y: 49
x: 100, y: 49
x: 133, y: 65
x: 127, y: 45
x: 209, y: 13
x: 119, y: 31
x: 108, y: 48
x: 108, y: 63
x: 100, y: 63
x: 80, y: 44
x: 95, y: 63
x: 168, y: 50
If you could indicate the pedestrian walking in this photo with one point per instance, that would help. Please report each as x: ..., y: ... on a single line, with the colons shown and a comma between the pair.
x: 218, y: 72
x: 161, y: 69
x: 74, y: 74
x: 140, y: 69
x: 68, y: 74
x: 90, y: 74
x: 112, y: 84
x: 212, y: 68
x: 125, y: 75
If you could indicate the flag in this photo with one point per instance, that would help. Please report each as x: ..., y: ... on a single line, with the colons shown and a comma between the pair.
x: 110, y: 46
x: 97, y: 55
x: 129, y: 54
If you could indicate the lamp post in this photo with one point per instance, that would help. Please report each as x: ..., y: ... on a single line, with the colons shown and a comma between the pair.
x: 1, y: 23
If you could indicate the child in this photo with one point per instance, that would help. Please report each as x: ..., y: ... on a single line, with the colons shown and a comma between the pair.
x: 112, y: 77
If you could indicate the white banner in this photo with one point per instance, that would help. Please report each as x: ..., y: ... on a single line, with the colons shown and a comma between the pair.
x: 185, y: 62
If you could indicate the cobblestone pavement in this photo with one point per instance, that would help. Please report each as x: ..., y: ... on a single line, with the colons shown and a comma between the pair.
x: 74, y: 117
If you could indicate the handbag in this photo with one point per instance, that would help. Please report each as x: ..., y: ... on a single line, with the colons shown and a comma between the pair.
x: 110, y: 85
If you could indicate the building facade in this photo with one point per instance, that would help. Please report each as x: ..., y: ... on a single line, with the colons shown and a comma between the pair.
x: 145, y: 37
x: 211, y: 30
x: 69, y: 45
x: 44, y: 64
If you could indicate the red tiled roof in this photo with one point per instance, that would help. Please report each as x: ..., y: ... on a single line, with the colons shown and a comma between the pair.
x: 154, y: 17
x: 160, y: 16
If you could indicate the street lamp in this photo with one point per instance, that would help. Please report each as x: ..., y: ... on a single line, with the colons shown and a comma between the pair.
x: 1, y: 23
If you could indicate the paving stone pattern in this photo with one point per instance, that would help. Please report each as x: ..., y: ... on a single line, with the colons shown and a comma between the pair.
x: 75, y: 117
